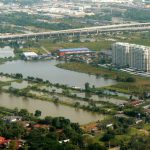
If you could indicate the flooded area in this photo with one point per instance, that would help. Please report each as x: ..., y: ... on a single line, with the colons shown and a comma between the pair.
x: 48, y: 108
x: 6, y: 52
x: 97, y: 98
x: 47, y: 70
x: 5, y: 79
x: 20, y: 85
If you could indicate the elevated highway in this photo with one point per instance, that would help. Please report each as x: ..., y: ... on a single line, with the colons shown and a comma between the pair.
x: 80, y: 31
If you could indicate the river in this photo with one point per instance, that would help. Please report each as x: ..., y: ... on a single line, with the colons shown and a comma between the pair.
x: 48, y: 108
x: 48, y: 71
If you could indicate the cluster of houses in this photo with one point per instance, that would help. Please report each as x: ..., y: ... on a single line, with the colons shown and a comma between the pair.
x: 4, y: 142
x: 81, y: 54
x: 96, y: 128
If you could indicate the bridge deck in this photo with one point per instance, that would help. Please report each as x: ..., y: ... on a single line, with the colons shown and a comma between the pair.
x: 109, y: 28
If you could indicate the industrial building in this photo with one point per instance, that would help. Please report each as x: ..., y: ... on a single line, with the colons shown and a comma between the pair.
x: 63, y: 52
x: 29, y: 55
x: 131, y: 55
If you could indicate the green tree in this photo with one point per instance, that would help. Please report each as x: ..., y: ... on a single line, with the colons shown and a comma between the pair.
x: 96, y: 146
x: 76, y: 105
x: 12, y: 145
x: 87, y: 87
x: 24, y: 113
x: 37, y: 113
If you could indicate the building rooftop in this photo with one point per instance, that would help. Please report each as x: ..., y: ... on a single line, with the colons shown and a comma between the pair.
x: 2, y: 140
x: 132, y: 45
x: 30, y: 54
x: 74, y: 49
x: 12, y: 118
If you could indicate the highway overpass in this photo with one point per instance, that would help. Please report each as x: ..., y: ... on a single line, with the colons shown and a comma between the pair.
x: 80, y: 31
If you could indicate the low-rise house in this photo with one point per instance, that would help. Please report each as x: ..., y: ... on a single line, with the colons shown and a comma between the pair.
x: 10, y: 119
x: 3, y: 142
x: 25, y: 124
x: 138, y: 121
x: 121, y: 116
x: 95, y: 130
x: 44, y: 126
x: 136, y: 102
x: 109, y: 125
x: 146, y: 107
x: 106, y: 54
x: 147, y: 111
x: 91, y: 128
x: 64, y: 141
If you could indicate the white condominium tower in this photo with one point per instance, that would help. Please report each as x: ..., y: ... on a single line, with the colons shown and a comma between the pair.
x: 120, y: 54
x: 131, y: 55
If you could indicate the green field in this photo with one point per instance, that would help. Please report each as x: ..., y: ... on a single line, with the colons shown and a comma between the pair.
x: 101, y: 42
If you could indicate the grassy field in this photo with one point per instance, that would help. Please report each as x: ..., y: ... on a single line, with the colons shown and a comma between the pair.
x: 52, y: 47
x: 101, y: 42
x: 139, y: 38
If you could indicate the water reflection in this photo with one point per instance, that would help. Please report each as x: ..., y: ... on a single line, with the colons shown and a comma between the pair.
x: 48, y: 71
x: 48, y: 108
x: 6, y: 52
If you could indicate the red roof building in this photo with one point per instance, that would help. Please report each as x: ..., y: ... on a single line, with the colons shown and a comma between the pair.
x: 136, y: 102
x: 44, y: 126
x: 2, y: 140
x: 82, y: 50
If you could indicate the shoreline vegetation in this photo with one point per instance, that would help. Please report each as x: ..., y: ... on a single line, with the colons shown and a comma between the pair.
x: 138, y: 86
x: 55, y: 97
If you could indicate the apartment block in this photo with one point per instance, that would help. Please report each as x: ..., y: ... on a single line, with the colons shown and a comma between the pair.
x: 131, y: 55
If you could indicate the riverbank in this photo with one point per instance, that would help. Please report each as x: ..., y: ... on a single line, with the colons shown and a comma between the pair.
x: 138, y: 87
x: 22, y: 92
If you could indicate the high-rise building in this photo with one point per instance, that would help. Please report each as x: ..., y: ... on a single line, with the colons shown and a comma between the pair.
x: 131, y: 55
x: 120, y: 54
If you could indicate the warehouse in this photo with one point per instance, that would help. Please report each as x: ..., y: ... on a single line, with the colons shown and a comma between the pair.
x: 29, y: 55
x: 63, y: 52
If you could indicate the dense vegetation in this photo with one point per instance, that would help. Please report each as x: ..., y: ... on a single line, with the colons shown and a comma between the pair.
x: 43, y: 134
x: 24, y: 19
x: 134, y: 14
x: 46, y: 134
x: 142, y: 15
